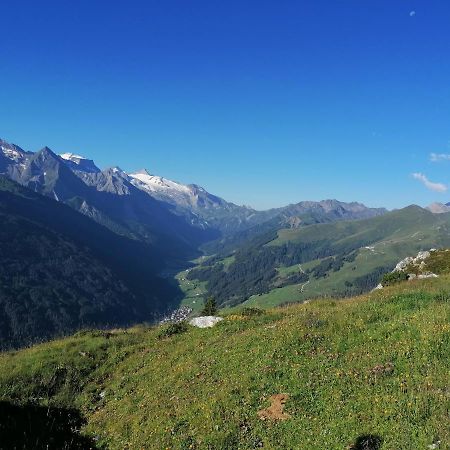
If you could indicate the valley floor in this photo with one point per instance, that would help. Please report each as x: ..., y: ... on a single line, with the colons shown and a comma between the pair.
x: 369, y: 369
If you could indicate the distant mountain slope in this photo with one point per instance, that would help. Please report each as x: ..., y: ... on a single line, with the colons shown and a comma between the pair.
x: 293, y: 217
x: 181, y: 217
x: 191, y: 195
x: 340, y: 258
x: 332, y: 208
x: 439, y: 208
x: 108, y: 197
x: 209, y: 210
x: 143, y: 216
x: 231, y: 219
x: 77, y: 162
x: 59, y: 271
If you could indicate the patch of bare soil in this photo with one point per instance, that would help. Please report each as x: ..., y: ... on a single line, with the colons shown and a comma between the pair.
x: 275, y: 410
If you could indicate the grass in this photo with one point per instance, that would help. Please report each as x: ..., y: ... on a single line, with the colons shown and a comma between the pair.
x: 228, y: 261
x: 194, y: 292
x: 286, y: 271
x: 392, y: 237
x: 438, y: 263
x: 405, y: 238
x: 374, y: 365
x: 387, y: 252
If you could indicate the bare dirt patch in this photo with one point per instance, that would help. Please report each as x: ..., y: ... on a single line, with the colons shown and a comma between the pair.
x: 382, y: 369
x: 276, y: 409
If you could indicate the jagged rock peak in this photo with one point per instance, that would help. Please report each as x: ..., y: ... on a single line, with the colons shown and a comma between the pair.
x: 79, y: 163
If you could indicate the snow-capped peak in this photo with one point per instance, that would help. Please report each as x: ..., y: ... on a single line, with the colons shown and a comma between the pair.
x: 80, y: 163
x: 117, y: 170
x: 72, y: 157
x: 154, y: 183
x: 11, y: 151
x: 173, y: 192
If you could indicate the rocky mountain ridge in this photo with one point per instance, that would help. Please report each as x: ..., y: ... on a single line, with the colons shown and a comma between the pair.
x: 76, y: 180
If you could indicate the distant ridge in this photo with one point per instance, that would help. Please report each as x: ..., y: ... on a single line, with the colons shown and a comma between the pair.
x: 439, y: 208
x: 193, y: 215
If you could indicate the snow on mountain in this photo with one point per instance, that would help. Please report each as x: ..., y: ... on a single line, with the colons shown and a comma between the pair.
x: 154, y: 183
x: 80, y: 163
x: 70, y: 175
x: 72, y: 157
x: 175, y: 193
x: 12, y: 151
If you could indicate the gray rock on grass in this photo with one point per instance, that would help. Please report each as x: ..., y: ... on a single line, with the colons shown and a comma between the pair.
x: 205, y: 321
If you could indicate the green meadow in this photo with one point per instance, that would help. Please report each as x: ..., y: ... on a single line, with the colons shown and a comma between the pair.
x: 376, y: 365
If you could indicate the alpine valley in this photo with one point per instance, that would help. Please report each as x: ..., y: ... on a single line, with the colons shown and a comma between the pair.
x: 85, y: 247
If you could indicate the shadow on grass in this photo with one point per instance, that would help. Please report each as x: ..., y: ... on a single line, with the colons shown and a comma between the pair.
x: 37, y: 427
x: 367, y: 442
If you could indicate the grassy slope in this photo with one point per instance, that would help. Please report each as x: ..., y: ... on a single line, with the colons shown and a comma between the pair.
x: 393, y: 236
x: 202, y: 389
x: 404, y: 232
x: 398, y: 224
x: 194, y: 291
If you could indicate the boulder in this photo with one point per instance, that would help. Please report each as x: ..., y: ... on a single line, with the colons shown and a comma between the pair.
x: 403, y: 264
x: 427, y: 275
x: 205, y: 321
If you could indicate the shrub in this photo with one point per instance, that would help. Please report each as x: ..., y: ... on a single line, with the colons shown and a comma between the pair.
x: 392, y: 278
x: 172, y: 329
x: 442, y: 296
x: 252, y: 312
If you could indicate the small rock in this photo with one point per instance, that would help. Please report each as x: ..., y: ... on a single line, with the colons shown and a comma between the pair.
x: 427, y: 275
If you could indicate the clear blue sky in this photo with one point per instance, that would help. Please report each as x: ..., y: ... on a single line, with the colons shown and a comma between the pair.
x: 261, y: 102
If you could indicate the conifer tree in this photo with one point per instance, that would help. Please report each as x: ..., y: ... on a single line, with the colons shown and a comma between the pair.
x: 210, y: 307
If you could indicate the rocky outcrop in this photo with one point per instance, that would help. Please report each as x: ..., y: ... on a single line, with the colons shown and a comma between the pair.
x: 409, y: 262
x: 415, y: 267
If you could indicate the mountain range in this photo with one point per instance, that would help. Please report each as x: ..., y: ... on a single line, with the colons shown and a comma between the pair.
x: 439, y: 208
x: 175, y: 217
x: 89, y: 247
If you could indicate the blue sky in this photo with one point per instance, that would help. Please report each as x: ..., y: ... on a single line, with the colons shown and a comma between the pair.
x: 262, y: 102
